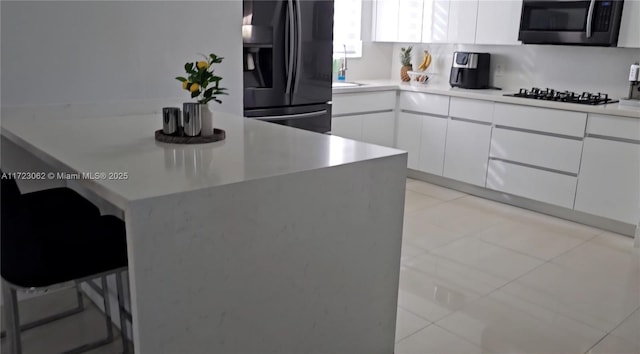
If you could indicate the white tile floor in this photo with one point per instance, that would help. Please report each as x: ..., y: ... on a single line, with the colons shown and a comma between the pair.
x: 483, y: 277
x: 479, y: 277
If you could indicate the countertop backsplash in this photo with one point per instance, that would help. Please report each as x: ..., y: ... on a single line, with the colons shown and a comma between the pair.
x: 594, y: 69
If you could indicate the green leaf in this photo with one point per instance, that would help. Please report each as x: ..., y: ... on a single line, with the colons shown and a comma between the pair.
x: 217, y: 100
x: 181, y: 79
x: 208, y: 92
x: 195, y: 94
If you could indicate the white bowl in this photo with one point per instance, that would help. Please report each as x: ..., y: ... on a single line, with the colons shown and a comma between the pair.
x: 418, y: 77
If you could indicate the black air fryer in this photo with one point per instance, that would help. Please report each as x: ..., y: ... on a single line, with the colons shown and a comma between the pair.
x: 470, y: 70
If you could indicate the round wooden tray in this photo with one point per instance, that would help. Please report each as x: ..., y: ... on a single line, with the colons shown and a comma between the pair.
x: 218, y: 134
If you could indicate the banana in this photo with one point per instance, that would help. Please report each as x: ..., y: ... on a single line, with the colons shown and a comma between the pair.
x: 426, y: 61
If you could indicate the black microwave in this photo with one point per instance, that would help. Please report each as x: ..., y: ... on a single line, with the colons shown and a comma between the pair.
x: 571, y: 22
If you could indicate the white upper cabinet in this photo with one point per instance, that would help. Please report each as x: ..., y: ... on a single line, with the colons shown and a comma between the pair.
x: 498, y: 21
x: 410, y: 21
x: 385, y: 20
x: 435, y: 21
x: 397, y: 20
x: 630, y: 26
x: 447, y: 21
x: 462, y: 21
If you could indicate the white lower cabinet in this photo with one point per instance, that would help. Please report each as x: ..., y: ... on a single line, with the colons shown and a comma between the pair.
x: 432, y: 141
x: 423, y: 137
x: 408, y: 136
x: 379, y: 128
x: 375, y: 128
x: 366, y: 116
x: 609, y: 180
x: 467, y: 151
x: 545, y: 186
x: 347, y: 127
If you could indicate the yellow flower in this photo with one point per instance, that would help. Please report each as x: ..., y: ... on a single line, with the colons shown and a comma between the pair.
x: 202, y: 65
x: 194, y: 87
x: 184, y: 84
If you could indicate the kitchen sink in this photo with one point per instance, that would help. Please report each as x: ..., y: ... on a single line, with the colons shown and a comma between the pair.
x: 345, y: 84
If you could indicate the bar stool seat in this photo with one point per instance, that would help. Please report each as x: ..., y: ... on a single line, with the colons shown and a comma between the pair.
x: 50, y: 238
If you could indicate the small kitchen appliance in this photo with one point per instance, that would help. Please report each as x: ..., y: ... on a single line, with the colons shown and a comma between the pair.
x: 571, y: 22
x: 563, y: 96
x: 470, y: 70
x: 633, y: 99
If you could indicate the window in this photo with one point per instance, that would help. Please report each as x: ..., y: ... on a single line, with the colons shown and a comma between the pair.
x: 346, y: 28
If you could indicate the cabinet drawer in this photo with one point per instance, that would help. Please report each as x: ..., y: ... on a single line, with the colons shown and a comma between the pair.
x: 545, y: 186
x: 363, y: 102
x: 424, y: 103
x: 618, y: 127
x: 471, y: 109
x: 535, y: 149
x: 541, y: 119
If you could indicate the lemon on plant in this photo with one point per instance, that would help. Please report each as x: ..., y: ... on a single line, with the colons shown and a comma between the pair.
x: 184, y: 84
x: 202, y: 65
x: 194, y: 87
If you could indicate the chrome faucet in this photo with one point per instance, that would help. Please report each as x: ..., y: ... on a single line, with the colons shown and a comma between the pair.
x: 342, y: 72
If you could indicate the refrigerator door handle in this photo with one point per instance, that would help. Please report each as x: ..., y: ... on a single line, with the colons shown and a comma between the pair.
x: 298, y: 46
x: 290, y: 47
x: 293, y: 116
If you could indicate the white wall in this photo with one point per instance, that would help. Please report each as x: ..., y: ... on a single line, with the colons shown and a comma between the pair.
x: 595, y: 69
x: 84, y: 51
x: 374, y: 64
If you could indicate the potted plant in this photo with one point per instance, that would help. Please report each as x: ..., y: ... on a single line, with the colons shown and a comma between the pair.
x: 204, y: 85
x: 405, y: 59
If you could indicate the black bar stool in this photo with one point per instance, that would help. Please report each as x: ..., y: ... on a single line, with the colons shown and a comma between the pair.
x: 52, y: 239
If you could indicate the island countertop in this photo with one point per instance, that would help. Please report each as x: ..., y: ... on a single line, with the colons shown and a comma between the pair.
x: 223, y: 238
x: 125, y: 144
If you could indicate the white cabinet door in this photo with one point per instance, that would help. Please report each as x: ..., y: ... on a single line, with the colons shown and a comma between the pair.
x: 408, y: 136
x: 347, y: 127
x: 467, y: 151
x: 630, y: 26
x: 435, y: 21
x: 410, y: 21
x: 432, y: 140
x: 378, y: 128
x: 545, y: 186
x: 462, y: 21
x: 498, y: 21
x: 609, y: 180
x: 385, y: 23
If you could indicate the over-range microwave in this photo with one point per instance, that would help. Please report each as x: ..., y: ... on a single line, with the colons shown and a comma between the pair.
x: 571, y: 22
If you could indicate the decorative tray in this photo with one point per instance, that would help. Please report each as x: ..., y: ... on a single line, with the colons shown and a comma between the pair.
x: 218, y: 134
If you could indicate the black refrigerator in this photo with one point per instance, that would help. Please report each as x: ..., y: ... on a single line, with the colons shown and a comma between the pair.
x: 287, y: 62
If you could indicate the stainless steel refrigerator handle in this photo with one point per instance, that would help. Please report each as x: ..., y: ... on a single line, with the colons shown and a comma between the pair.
x: 298, y: 46
x: 293, y: 116
x: 291, y: 47
x: 592, y: 5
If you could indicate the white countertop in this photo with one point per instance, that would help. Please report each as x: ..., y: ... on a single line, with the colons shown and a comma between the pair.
x: 442, y: 88
x: 252, y: 150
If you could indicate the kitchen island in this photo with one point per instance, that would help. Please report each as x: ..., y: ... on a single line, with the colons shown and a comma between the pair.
x: 275, y: 240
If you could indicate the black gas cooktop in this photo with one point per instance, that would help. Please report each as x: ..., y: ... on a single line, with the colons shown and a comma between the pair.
x: 563, y: 96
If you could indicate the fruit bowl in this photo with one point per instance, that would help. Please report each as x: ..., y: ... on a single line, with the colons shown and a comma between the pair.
x: 418, y: 77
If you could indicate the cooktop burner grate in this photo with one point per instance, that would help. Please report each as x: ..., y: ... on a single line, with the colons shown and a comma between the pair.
x: 563, y: 96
